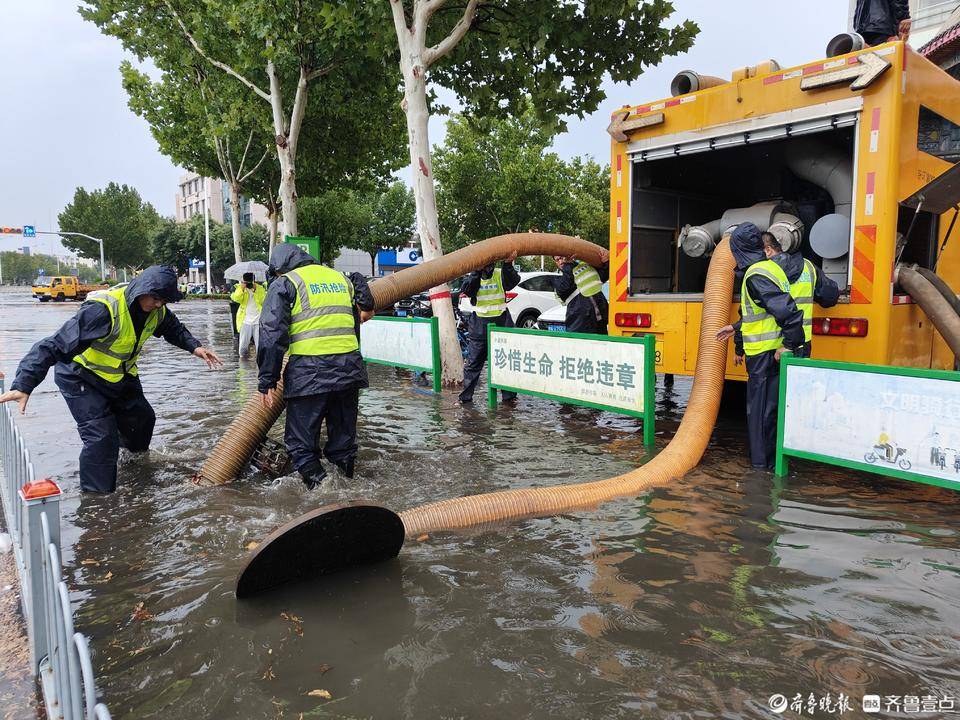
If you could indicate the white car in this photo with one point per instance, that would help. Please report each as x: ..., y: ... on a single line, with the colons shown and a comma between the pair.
x: 527, y: 300
x: 555, y: 319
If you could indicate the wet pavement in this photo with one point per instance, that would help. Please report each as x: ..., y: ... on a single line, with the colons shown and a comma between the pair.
x: 698, y: 600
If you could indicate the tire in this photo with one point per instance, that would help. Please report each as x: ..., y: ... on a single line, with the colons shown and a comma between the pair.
x: 60, y: 298
x: 44, y: 298
x: 870, y: 457
x: 904, y: 464
x: 528, y: 320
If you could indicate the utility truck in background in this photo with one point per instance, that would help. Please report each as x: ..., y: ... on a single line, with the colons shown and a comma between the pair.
x: 840, y: 159
x: 62, y: 287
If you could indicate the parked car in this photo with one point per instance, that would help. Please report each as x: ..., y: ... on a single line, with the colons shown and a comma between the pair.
x: 555, y: 319
x: 527, y: 300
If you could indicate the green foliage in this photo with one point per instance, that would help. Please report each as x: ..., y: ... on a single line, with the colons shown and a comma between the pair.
x: 119, y: 216
x: 555, y: 52
x: 353, y: 128
x: 189, y: 111
x: 394, y: 219
x: 367, y: 221
x: 175, y: 243
x: 498, y: 176
x: 24, y: 269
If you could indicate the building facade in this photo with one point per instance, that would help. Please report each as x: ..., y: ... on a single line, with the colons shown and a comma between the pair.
x: 192, y: 189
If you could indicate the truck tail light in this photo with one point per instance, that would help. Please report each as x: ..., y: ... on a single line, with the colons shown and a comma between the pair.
x: 510, y: 296
x: 846, y: 327
x: 633, y: 320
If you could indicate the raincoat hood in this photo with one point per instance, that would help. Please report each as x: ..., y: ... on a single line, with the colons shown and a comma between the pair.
x: 159, y: 280
x: 792, y: 264
x: 286, y: 257
x: 746, y: 245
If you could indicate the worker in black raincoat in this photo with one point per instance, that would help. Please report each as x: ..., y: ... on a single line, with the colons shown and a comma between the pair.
x: 95, y: 353
x: 580, y: 287
x: 878, y: 21
x: 310, y: 311
x: 487, y: 290
x: 770, y: 322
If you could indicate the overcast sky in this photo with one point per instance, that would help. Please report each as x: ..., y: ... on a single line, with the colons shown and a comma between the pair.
x: 66, y: 123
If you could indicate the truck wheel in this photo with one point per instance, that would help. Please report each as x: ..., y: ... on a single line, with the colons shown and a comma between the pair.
x: 60, y: 298
x: 44, y: 298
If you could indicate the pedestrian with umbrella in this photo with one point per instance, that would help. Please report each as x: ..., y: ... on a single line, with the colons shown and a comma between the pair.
x: 248, y: 294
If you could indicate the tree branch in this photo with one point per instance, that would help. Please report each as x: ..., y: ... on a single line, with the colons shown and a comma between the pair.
x: 432, y: 54
x: 320, y: 71
x: 400, y: 24
x: 243, y: 159
x: 299, y: 109
x: 255, y: 167
x: 216, y: 63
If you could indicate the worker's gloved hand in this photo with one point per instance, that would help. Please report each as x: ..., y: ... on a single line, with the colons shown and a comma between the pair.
x: 17, y: 396
x: 209, y: 357
x: 604, y: 256
x: 266, y: 398
x: 725, y: 333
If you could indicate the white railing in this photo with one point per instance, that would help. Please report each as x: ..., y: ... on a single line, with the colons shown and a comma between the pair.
x: 59, y: 657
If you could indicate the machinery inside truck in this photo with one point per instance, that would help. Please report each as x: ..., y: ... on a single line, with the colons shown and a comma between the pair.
x: 798, y: 185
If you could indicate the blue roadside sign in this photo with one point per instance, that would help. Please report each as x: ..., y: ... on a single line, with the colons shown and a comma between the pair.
x: 29, y: 231
x: 40, y: 272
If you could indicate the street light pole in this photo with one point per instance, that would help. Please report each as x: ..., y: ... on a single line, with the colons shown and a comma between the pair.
x: 103, y: 270
x: 206, y: 228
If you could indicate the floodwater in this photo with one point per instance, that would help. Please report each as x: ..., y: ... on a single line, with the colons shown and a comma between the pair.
x: 698, y: 600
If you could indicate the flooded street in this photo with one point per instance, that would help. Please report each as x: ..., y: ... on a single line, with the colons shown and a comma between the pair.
x: 698, y: 600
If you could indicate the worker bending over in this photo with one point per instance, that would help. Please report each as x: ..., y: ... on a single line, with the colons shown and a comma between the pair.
x: 249, y: 295
x: 579, y: 287
x: 487, y: 289
x: 95, y: 353
x: 309, y: 311
x: 776, y: 313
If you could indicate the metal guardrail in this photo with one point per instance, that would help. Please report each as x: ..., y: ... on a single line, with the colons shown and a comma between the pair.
x: 59, y: 656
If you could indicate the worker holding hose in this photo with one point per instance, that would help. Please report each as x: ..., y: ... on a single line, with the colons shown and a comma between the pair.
x: 309, y: 311
x: 579, y: 287
x: 487, y: 290
x: 770, y: 322
x: 95, y: 353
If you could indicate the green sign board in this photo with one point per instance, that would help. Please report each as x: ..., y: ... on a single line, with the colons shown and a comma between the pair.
x: 412, y: 343
x: 307, y: 244
x: 895, y: 421
x: 607, y: 373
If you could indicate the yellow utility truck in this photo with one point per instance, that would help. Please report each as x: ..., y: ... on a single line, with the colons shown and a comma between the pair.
x: 62, y: 287
x: 842, y: 159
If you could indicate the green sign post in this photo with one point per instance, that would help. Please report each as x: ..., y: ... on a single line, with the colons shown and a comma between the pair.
x: 305, y: 243
x: 894, y: 421
x: 607, y: 373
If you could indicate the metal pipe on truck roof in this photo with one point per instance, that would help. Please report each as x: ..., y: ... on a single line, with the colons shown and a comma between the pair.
x: 689, y: 81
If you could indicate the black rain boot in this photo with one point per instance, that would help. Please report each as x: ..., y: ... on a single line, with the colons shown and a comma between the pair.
x: 346, y: 467
x: 313, y: 474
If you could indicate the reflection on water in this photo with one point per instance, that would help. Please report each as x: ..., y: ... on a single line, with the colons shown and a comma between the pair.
x: 700, y: 599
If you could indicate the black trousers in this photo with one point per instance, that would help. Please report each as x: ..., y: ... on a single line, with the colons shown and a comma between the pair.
x: 305, y: 416
x: 763, y: 399
x: 477, y: 353
x: 107, y: 419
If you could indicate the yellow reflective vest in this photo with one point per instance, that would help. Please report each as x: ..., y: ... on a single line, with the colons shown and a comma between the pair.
x: 587, y: 279
x: 802, y: 293
x: 759, y: 328
x: 491, y: 298
x: 321, y: 322
x: 240, y: 297
x: 116, y: 354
